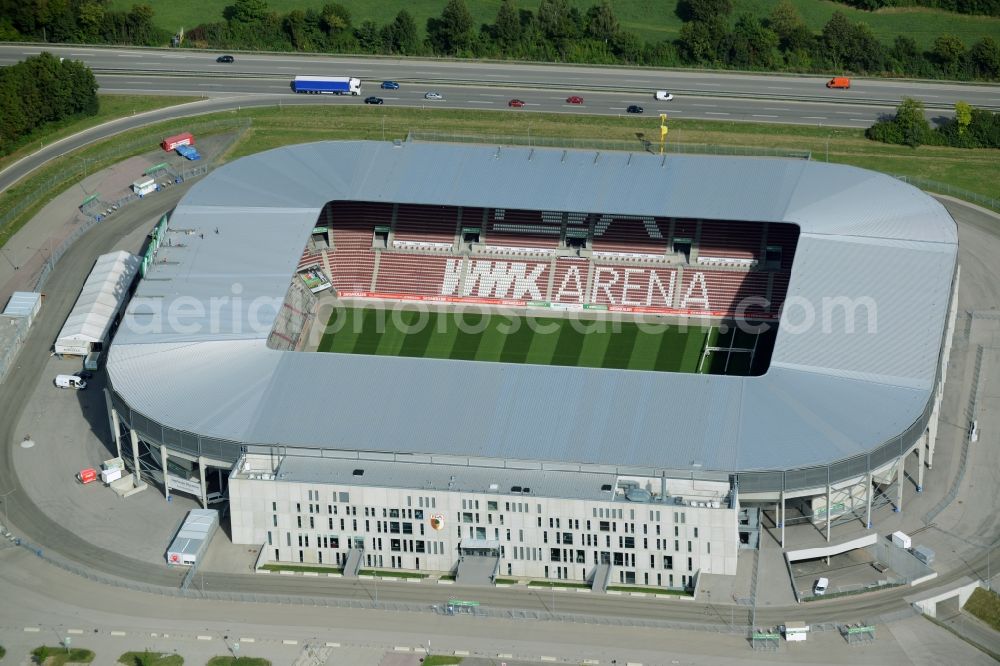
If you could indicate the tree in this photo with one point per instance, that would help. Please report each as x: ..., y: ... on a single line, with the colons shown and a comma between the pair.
x: 554, y: 20
x: 751, y: 44
x: 911, y: 122
x: 906, y: 55
x: 369, y: 37
x: 334, y: 19
x: 984, y: 59
x: 792, y: 31
x: 247, y: 11
x: 507, y: 28
x: 90, y: 16
x: 704, y: 10
x: 963, y: 116
x: 453, y: 31
x: 401, y: 36
x: 601, y: 22
x: 948, y: 52
x: 836, y: 38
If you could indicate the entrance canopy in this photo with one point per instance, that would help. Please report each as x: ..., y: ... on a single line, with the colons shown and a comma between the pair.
x: 103, y: 295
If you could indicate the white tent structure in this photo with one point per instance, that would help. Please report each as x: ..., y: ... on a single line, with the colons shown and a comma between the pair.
x: 101, y: 298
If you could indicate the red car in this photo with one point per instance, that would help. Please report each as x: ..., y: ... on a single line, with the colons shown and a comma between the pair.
x: 574, y: 99
x: 516, y: 103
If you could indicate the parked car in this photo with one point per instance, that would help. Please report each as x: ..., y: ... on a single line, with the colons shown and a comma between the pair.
x: 574, y: 99
x: 225, y: 58
x: 373, y: 100
x: 664, y: 96
x: 820, y: 586
x: 390, y: 85
x: 634, y: 108
x: 516, y: 103
x: 433, y: 95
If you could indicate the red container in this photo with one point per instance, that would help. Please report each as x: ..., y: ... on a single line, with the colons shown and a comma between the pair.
x: 87, y: 475
x: 182, y: 139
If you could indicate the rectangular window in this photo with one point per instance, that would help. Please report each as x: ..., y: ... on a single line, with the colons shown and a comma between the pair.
x: 298, y: 520
x: 491, y: 506
x: 689, y: 546
x: 604, y: 526
x: 394, y: 528
x: 274, y: 506
x: 418, y: 514
x: 554, y: 555
x: 567, y: 538
x: 345, y: 497
x: 407, y: 528
x: 395, y: 545
x: 274, y: 521
x: 696, y: 533
x: 394, y: 513
x: 269, y: 538
x: 467, y: 517
x: 312, y: 523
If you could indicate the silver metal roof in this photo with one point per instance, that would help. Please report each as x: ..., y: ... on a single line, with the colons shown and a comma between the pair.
x: 883, y: 248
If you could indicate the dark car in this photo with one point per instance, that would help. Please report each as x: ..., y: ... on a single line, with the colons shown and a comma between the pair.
x: 373, y: 100
x: 225, y: 58
x: 574, y: 99
x: 516, y: 103
x: 634, y: 108
x: 85, y: 374
x: 390, y: 85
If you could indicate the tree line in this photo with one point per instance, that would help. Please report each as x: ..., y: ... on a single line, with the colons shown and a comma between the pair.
x: 556, y: 32
x: 970, y: 128
x: 981, y: 7
x: 43, y: 89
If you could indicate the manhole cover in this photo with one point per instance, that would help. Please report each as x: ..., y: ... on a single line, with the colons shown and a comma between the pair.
x: 27, y: 443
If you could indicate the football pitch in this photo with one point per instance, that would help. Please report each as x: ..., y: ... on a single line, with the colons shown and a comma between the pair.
x: 561, y: 341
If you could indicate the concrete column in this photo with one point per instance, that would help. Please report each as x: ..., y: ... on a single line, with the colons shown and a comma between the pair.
x: 868, y: 500
x: 163, y: 466
x: 828, y: 511
x: 201, y: 475
x: 782, y: 523
x: 135, y: 456
x: 116, y: 431
x: 900, y: 475
x: 921, y: 453
x: 932, y: 428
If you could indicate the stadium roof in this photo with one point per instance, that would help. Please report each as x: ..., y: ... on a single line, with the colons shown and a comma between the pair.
x: 832, y: 390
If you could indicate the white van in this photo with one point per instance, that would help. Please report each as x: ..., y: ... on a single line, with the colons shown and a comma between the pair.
x: 70, y: 381
x: 820, y: 586
x: 664, y: 96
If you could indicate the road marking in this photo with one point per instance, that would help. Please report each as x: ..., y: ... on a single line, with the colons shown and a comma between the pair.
x: 333, y: 644
x: 592, y: 662
x: 310, y: 573
x: 503, y: 655
x: 246, y: 640
x: 74, y: 631
x: 544, y: 658
x: 204, y: 638
x: 461, y: 653
x: 706, y: 106
x: 490, y: 95
x: 477, y: 101
x: 861, y: 120
x: 716, y: 113
x: 779, y: 88
x: 118, y: 633
x: 400, y: 648
x: 814, y: 118
x: 763, y: 116
x: 288, y: 641
x: 32, y: 630
x: 768, y: 108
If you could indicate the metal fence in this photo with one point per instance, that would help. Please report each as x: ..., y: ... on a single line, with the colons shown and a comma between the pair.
x: 944, y: 188
x: 635, y: 145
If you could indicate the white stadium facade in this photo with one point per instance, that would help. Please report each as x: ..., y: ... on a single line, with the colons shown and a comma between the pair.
x: 546, y: 472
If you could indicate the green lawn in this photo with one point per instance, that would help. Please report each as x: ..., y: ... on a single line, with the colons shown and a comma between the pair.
x: 57, y: 656
x: 536, y: 340
x: 388, y: 573
x: 558, y: 583
x: 150, y: 659
x: 112, y: 106
x: 985, y: 605
x: 650, y: 21
x: 300, y: 568
x: 441, y: 660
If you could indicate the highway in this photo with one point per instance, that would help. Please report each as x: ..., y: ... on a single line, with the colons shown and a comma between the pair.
x: 488, y: 85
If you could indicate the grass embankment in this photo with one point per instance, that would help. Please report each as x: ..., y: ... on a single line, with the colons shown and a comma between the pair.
x: 441, y: 660
x: 382, y: 573
x: 300, y: 568
x: 634, y: 16
x: 649, y: 590
x: 985, y: 605
x: 150, y: 659
x: 112, y: 107
x: 238, y: 661
x: 57, y: 656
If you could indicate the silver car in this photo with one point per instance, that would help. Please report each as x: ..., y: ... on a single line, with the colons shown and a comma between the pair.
x: 433, y: 95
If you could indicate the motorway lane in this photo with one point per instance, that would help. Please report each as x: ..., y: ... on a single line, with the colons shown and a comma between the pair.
x: 549, y: 76
x: 548, y: 101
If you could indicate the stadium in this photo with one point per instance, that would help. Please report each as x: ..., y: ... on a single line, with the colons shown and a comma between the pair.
x: 544, y: 363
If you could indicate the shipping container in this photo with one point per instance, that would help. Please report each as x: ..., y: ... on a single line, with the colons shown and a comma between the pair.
x: 193, y: 537
x: 182, y: 139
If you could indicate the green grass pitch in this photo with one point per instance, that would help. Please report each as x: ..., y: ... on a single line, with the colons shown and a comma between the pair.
x: 538, y: 340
